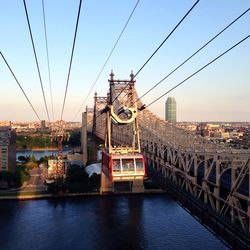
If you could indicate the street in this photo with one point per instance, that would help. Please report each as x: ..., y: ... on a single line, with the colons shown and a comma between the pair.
x: 37, y: 178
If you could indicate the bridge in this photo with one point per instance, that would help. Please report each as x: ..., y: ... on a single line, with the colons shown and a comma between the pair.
x: 210, y: 180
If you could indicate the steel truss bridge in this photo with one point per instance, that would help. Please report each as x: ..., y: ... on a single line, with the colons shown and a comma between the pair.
x: 213, y: 178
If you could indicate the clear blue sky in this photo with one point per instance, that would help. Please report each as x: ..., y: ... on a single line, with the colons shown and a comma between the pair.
x: 219, y: 93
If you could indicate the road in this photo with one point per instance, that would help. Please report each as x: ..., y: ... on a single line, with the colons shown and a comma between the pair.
x: 37, y: 178
x: 34, y: 184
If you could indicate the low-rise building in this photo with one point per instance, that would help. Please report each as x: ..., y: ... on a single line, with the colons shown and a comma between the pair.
x: 57, y: 168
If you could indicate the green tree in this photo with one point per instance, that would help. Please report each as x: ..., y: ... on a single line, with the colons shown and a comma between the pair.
x: 22, y: 158
x: 33, y: 158
x: 7, y: 178
x: 32, y: 163
x: 38, y: 140
x: 74, y: 139
x: 15, y: 179
x: 20, y: 177
x: 77, y: 179
x: 76, y: 173
x: 44, y: 159
x: 95, y: 181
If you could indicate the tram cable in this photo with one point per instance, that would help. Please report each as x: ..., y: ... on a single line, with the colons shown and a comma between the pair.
x: 167, y: 37
x: 196, y: 52
x: 71, y: 58
x: 190, y: 76
x: 177, y: 85
x: 19, y: 85
x: 110, y: 54
x: 48, y: 61
x: 196, y: 72
x: 37, y: 65
x: 224, y: 29
x: 153, y: 53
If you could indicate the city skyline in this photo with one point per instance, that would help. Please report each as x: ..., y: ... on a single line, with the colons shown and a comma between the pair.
x: 219, y: 93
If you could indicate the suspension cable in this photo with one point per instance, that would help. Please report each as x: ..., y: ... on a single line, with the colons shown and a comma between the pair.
x: 158, y: 48
x: 71, y: 58
x: 20, y: 86
x: 196, y: 72
x: 48, y: 61
x: 37, y: 65
x: 155, y: 51
x: 110, y: 54
x: 201, y: 48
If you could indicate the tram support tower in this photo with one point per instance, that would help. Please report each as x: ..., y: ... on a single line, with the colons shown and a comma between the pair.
x: 123, y: 166
x: 59, y: 136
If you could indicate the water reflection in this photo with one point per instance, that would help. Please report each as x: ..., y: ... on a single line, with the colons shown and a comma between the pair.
x: 110, y: 222
x: 121, y: 221
x: 8, y: 210
x: 59, y: 203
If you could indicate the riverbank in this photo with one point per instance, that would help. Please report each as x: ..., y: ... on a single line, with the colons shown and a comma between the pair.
x: 40, y: 195
x: 36, y: 149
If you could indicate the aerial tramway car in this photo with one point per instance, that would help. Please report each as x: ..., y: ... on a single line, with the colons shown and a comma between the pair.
x: 123, y: 167
x: 122, y: 164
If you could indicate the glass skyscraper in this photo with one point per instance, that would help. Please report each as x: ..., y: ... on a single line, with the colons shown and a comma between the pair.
x: 170, y: 110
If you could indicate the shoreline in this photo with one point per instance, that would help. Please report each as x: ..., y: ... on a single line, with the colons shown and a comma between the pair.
x: 35, y: 149
x: 42, y: 149
x: 59, y: 196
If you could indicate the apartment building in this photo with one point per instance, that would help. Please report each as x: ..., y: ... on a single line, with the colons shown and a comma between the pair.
x: 7, y: 149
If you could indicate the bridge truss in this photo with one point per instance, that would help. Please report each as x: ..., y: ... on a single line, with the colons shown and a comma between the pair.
x: 212, y: 173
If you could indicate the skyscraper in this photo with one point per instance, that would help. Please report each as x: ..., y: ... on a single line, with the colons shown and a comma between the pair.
x: 43, y: 124
x: 170, y: 110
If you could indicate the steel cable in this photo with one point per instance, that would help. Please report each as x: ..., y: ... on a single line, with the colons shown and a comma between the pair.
x: 196, y: 72
x: 37, y: 65
x: 48, y: 61
x: 196, y: 52
x: 158, y: 48
x: 20, y: 85
x: 110, y: 54
x: 71, y: 58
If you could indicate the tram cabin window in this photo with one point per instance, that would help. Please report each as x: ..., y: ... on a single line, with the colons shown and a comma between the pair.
x: 128, y: 165
x: 139, y: 165
x: 116, y: 166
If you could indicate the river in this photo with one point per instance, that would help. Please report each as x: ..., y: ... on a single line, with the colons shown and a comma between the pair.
x: 39, y: 153
x: 109, y: 222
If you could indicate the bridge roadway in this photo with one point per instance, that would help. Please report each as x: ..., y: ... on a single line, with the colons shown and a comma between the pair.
x: 211, y: 174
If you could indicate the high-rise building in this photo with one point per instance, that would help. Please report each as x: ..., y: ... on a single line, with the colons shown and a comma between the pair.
x: 170, y: 110
x: 7, y: 149
x: 43, y: 124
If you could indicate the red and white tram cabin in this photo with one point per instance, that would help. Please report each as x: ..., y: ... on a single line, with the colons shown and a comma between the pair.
x: 123, y: 167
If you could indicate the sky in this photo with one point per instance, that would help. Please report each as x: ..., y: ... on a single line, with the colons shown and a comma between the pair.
x: 221, y: 92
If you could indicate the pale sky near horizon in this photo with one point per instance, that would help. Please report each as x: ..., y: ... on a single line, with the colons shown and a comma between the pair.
x: 221, y: 92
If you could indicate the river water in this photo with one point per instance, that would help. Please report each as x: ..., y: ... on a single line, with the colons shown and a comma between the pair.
x: 108, y: 222
x: 40, y: 153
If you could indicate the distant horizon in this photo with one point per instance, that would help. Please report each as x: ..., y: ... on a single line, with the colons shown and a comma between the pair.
x: 139, y: 121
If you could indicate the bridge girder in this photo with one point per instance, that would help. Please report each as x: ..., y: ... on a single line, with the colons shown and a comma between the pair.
x: 199, y: 166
